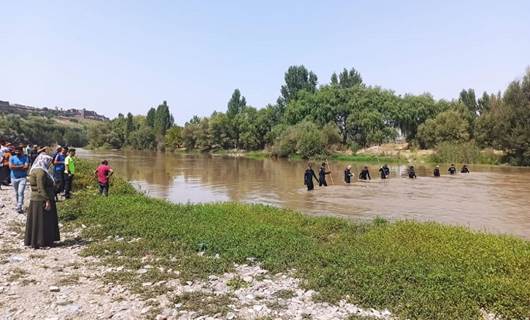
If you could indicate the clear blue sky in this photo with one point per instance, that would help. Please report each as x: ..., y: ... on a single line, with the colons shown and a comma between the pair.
x: 121, y: 56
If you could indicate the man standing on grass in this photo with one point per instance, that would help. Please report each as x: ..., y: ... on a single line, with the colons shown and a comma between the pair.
x: 103, y: 173
x: 59, y: 169
x: 19, y: 165
x: 69, y: 172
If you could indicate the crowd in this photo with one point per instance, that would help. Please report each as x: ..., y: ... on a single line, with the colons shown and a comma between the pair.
x: 364, y: 174
x: 50, y: 178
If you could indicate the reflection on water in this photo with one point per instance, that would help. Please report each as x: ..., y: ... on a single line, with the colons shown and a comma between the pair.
x: 494, y: 199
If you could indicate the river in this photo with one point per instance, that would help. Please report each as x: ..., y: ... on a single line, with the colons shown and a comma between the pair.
x: 490, y: 198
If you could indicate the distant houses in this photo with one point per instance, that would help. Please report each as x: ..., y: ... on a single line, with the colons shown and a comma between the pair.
x: 9, y: 108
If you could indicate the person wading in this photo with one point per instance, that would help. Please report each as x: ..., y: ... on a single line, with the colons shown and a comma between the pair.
x: 412, y: 172
x: 322, y: 175
x: 69, y: 172
x: 437, y: 171
x: 452, y: 169
x: 19, y: 165
x: 103, y: 174
x: 308, y: 177
x: 365, y: 174
x: 387, y: 170
x: 42, y: 224
x: 464, y: 169
x: 382, y: 173
x: 347, y: 174
x: 59, y: 169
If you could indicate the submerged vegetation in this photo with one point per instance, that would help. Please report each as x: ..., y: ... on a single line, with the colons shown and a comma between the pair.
x: 417, y: 270
x: 311, y: 120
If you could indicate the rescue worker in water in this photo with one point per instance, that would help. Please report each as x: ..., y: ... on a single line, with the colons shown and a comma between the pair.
x: 437, y: 171
x: 322, y: 175
x: 412, y: 172
x: 308, y: 177
x: 347, y: 174
x: 365, y: 174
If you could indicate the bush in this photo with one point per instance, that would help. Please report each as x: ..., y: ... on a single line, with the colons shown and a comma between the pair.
x: 304, y: 139
x: 467, y: 152
x: 449, y: 126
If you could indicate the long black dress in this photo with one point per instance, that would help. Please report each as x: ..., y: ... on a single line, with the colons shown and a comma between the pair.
x: 42, y: 226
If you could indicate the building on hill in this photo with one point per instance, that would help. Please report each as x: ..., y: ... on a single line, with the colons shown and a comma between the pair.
x: 6, y: 107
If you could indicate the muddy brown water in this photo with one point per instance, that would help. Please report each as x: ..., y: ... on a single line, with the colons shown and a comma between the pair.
x: 490, y: 198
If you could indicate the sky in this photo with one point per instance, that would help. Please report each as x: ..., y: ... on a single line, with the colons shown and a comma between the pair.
x: 127, y: 56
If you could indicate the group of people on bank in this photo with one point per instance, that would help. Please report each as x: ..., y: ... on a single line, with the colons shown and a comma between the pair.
x: 364, y: 174
x: 50, y: 177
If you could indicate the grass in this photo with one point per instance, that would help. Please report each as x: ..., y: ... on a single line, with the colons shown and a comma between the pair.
x: 416, y: 270
x: 367, y: 158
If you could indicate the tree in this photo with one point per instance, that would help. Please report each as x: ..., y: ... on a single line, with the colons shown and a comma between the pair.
x: 173, y: 139
x: 236, y: 104
x: 163, y: 119
x: 347, y: 78
x: 449, y: 126
x: 151, y: 114
x: 220, y: 131
x: 129, y: 126
x: 512, y: 121
x: 297, y: 78
x: 468, y: 98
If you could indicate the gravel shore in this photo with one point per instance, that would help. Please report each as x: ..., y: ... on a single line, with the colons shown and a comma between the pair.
x: 58, y: 283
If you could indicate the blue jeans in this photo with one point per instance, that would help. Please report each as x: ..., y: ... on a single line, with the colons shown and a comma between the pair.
x: 20, y: 187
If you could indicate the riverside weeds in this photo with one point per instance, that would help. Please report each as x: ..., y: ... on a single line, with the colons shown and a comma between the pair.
x: 416, y: 270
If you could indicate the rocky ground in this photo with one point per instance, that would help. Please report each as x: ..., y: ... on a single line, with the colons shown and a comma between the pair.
x: 58, y: 283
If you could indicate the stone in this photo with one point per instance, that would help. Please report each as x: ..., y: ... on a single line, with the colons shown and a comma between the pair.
x: 16, y: 259
x: 145, y: 310
x: 54, y: 289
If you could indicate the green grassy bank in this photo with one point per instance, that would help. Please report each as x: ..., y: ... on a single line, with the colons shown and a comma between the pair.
x: 416, y: 270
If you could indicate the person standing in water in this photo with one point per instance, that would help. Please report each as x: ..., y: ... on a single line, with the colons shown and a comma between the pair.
x: 412, y: 172
x: 452, y: 169
x: 387, y: 170
x: 365, y: 174
x: 382, y: 173
x: 308, y: 177
x: 437, y: 171
x: 464, y: 169
x: 347, y: 174
x: 322, y: 175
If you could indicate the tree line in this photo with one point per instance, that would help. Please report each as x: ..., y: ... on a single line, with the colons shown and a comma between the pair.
x: 43, y: 131
x: 309, y: 119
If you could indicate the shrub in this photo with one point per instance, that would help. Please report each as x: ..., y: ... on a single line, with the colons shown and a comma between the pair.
x: 467, y: 152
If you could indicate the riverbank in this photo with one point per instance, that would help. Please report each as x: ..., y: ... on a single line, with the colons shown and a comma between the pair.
x: 414, y: 270
x: 386, y: 153
x: 55, y: 283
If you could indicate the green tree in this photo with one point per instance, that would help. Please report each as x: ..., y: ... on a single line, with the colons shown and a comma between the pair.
x: 151, y: 114
x: 236, y: 104
x: 220, y: 131
x: 129, y: 126
x: 163, y: 119
x: 448, y: 126
x: 347, y: 78
x: 173, y: 139
x: 297, y: 78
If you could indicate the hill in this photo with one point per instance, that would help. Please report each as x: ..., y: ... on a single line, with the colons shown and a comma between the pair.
x: 81, y: 114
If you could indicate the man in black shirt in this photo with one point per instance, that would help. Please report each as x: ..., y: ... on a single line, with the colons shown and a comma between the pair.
x: 365, y: 174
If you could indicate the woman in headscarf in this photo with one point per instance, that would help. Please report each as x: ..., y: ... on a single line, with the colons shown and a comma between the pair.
x: 42, y: 224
